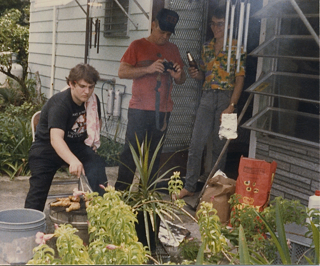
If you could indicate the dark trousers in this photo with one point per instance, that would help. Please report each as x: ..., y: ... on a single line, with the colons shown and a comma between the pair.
x: 140, y: 123
x: 44, y: 163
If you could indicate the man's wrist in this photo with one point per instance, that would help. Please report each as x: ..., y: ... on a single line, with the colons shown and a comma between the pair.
x: 177, y: 80
x: 234, y: 105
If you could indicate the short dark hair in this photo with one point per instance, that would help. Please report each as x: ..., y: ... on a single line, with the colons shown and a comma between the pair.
x: 219, y: 12
x: 83, y: 71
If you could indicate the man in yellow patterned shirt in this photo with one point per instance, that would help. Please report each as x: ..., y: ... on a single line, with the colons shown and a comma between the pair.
x: 221, y: 92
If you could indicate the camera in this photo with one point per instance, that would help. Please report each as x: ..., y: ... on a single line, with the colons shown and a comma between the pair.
x: 168, y: 65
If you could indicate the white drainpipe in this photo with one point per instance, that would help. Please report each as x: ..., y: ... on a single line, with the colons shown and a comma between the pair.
x: 53, y: 53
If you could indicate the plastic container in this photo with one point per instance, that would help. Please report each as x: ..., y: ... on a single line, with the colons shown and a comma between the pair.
x: 314, y: 202
x: 18, y: 229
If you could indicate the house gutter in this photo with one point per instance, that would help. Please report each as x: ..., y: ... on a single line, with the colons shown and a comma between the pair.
x: 53, y: 53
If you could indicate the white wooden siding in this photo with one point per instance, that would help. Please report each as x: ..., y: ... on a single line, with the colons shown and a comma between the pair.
x: 70, y: 44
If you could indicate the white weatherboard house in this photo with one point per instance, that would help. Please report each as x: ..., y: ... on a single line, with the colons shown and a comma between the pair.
x: 285, y: 109
x: 58, y: 42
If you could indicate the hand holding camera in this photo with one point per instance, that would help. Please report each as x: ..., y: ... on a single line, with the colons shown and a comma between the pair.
x: 168, y: 65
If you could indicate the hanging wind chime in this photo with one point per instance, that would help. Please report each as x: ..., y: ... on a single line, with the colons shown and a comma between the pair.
x: 243, y: 25
x: 94, y: 25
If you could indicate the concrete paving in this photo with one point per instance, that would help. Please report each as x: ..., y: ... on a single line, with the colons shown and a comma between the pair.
x: 13, y: 194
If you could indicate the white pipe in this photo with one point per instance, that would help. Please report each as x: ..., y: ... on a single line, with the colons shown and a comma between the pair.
x: 53, y: 51
x: 305, y: 21
x: 226, y: 25
x: 240, y: 35
x: 230, y: 36
x: 245, y: 41
x: 239, y: 42
x: 259, y: 74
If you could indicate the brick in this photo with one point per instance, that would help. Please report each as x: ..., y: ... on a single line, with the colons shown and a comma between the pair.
x: 283, y: 165
x: 295, y: 161
x: 291, y: 190
x: 294, y: 176
x: 293, y: 184
x: 285, y: 145
x: 315, y: 185
x: 261, y: 155
x: 313, y: 153
x: 276, y: 193
x: 305, y: 172
x: 293, y: 154
x: 263, y: 147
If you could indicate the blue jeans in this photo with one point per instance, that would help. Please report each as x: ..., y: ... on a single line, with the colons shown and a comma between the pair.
x: 44, y: 163
x: 212, y: 103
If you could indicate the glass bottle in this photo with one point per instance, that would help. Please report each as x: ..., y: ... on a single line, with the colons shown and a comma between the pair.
x: 192, y: 62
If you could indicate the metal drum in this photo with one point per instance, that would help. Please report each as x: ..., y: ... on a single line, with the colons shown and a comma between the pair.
x: 78, y: 219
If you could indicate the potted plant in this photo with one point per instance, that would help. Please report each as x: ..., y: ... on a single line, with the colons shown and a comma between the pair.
x: 146, y: 199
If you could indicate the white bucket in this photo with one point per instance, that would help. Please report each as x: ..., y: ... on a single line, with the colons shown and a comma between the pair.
x: 18, y: 229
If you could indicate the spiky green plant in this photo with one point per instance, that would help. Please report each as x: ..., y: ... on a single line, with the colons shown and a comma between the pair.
x: 316, y: 244
x: 280, y: 240
x: 146, y: 198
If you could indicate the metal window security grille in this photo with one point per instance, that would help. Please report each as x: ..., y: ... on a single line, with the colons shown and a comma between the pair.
x: 297, y: 252
x: 189, y: 35
x: 116, y: 21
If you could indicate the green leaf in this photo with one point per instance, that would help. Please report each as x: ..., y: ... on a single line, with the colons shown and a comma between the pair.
x: 281, y: 242
x: 282, y: 236
x: 200, y: 256
x: 316, y: 241
x: 243, y: 247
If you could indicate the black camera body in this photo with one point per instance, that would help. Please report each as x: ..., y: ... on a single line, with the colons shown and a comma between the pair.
x: 168, y: 65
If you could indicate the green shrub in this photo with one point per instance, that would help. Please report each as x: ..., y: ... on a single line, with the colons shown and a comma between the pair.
x: 110, y: 150
x: 113, y: 238
x: 255, y: 229
x: 15, y: 139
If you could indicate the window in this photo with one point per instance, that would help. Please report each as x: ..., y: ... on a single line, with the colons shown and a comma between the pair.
x: 289, y: 102
x: 116, y: 20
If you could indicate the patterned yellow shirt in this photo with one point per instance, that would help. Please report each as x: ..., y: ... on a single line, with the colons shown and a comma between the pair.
x: 215, y: 67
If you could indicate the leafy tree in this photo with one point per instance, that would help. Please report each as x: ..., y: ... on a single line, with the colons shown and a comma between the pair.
x: 14, y: 39
x: 22, y: 5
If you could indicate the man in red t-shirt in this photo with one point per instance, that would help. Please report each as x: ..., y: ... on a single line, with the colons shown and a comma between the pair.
x: 153, y: 63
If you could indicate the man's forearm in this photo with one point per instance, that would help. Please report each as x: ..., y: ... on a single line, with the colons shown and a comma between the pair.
x: 182, y: 79
x: 60, y: 146
x: 237, y: 90
x: 127, y: 71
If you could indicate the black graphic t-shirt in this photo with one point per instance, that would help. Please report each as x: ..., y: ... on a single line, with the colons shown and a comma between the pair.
x: 62, y: 112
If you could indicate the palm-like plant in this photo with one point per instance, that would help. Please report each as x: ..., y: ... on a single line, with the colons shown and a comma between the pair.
x: 146, y: 197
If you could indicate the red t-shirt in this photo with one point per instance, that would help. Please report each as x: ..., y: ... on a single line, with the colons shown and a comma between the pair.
x: 143, y: 53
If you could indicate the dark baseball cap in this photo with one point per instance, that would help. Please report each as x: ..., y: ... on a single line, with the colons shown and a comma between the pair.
x: 167, y: 19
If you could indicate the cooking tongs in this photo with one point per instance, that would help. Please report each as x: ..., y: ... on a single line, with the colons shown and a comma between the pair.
x: 83, y: 182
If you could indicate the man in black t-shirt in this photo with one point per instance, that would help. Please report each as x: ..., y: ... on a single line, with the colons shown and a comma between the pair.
x: 61, y: 137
